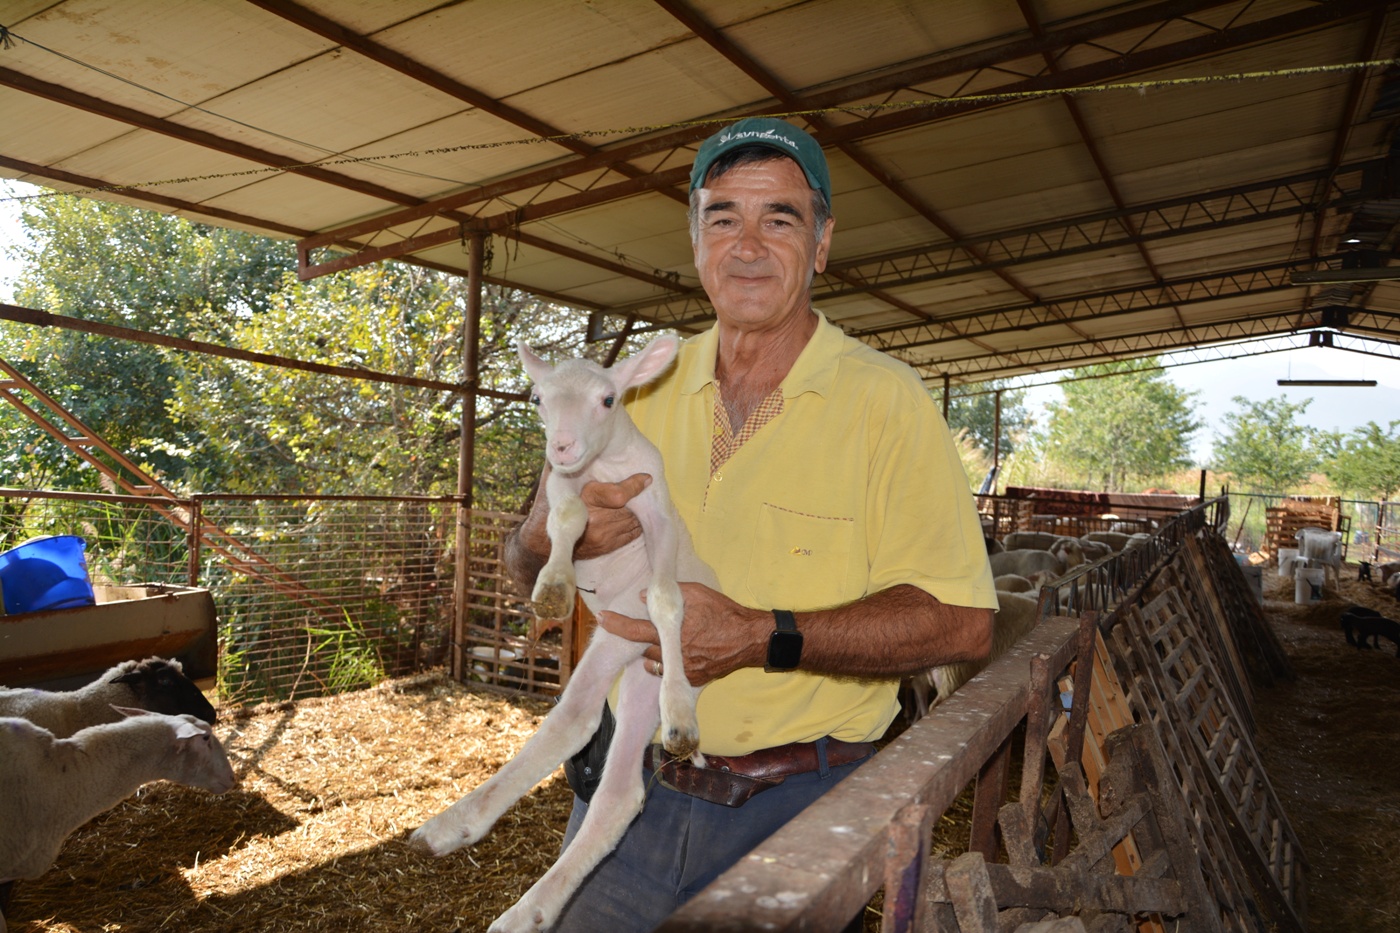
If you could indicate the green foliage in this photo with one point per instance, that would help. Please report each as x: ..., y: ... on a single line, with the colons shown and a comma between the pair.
x: 209, y: 424
x: 118, y: 265
x: 1366, y: 461
x: 1121, y: 421
x: 350, y: 658
x: 1265, y: 448
x: 976, y: 414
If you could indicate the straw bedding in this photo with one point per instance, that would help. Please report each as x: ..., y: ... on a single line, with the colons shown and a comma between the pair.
x: 313, y: 838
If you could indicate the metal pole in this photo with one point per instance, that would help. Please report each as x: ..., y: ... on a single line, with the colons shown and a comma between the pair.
x: 946, y: 382
x: 195, y: 539
x: 466, y: 456
x: 996, y: 432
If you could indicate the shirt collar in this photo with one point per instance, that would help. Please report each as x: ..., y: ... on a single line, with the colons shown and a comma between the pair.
x: 814, y: 370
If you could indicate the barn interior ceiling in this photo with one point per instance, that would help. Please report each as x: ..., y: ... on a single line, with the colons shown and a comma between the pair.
x: 1020, y: 186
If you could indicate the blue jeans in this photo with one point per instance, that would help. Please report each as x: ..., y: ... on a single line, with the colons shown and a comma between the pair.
x: 676, y: 846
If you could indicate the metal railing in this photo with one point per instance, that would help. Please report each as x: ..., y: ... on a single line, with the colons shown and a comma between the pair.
x: 340, y: 592
x: 1105, y: 583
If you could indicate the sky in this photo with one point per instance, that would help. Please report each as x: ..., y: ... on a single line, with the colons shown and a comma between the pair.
x: 1216, y: 383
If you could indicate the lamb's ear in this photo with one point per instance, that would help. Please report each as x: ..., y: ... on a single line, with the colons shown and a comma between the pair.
x: 131, y: 710
x: 188, y: 730
x: 536, y: 368
x: 651, y: 361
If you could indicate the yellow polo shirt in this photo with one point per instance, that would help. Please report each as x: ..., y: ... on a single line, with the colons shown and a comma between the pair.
x: 855, y: 487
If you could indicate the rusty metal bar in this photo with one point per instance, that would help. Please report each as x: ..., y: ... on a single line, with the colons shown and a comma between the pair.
x: 832, y: 859
x: 466, y: 457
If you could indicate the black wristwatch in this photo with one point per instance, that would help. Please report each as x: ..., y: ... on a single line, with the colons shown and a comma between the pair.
x: 785, y: 644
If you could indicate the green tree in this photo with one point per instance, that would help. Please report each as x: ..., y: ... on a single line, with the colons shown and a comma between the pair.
x: 209, y: 424
x: 1367, y: 460
x: 120, y: 265
x: 976, y: 414
x: 286, y: 430
x: 1121, y: 421
x: 1264, y: 447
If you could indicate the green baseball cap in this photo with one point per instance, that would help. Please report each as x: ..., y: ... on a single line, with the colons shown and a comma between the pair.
x: 775, y: 134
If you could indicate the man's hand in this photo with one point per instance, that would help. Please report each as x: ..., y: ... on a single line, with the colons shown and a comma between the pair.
x: 718, y: 636
x: 611, y: 523
x: 610, y: 526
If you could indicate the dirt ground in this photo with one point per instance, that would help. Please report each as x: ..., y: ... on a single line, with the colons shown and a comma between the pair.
x: 1331, y: 744
x: 312, y: 839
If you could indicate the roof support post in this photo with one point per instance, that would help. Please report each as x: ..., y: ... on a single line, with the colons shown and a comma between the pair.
x: 466, y: 456
x: 946, y: 387
x: 996, y: 431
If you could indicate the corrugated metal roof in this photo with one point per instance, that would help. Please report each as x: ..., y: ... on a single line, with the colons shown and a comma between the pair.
x: 996, y: 216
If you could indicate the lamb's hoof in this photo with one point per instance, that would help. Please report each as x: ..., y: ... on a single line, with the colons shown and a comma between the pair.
x: 680, y: 743
x: 553, y: 601
x: 521, y: 919
x: 435, y: 839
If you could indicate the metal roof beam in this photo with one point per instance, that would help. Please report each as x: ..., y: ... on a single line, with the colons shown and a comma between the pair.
x: 1216, y: 210
x: 329, y: 29
x: 1062, y: 38
x: 1122, y: 66
x: 1074, y: 353
x: 1259, y: 280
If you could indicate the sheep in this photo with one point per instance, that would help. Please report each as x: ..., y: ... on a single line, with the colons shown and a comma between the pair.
x: 49, y: 786
x: 154, y: 684
x: 1322, y: 548
x: 1094, y: 550
x: 1116, y: 540
x: 1012, y: 583
x: 589, y: 436
x: 1029, y: 540
x: 1017, y: 615
x: 1025, y: 562
x: 1069, y: 551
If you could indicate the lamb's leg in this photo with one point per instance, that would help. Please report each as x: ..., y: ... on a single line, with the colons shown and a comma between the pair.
x: 680, y: 730
x: 564, y: 731
x: 614, y: 806
x: 553, y: 596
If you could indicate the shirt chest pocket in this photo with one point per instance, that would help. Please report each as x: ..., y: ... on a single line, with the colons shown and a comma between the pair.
x: 800, y: 561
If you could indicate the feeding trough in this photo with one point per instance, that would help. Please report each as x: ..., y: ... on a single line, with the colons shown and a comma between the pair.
x: 65, y: 647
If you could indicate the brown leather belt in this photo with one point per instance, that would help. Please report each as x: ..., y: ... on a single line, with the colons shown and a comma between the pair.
x: 732, y: 780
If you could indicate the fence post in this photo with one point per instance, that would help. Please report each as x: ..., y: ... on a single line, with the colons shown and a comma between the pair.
x: 466, y: 455
x: 1380, y: 524
x: 195, y: 539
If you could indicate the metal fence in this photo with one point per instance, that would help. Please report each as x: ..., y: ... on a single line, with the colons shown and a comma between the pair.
x: 1374, y: 524
x: 314, y: 595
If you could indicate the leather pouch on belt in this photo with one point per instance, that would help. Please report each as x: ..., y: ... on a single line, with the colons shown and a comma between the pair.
x: 714, y: 783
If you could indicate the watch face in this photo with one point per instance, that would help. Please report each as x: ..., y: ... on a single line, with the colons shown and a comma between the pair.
x: 784, y: 650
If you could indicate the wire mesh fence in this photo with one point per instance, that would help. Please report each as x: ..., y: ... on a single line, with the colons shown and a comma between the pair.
x: 1372, y: 526
x: 313, y: 595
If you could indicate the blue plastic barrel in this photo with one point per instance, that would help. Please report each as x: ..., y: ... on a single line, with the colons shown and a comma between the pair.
x: 45, y: 573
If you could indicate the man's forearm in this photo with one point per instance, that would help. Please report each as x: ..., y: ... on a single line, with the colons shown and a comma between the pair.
x: 896, y: 632
x: 893, y: 633
x: 522, y: 564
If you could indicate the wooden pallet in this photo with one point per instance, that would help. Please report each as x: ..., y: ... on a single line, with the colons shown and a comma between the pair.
x: 1254, y: 859
x: 1283, y: 522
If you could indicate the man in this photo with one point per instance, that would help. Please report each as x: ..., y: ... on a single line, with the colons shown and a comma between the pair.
x: 818, y: 480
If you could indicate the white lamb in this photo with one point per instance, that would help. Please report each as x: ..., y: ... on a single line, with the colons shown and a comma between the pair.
x: 1017, y: 614
x: 155, y: 684
x: 51, y: 786
x: 589, y: 436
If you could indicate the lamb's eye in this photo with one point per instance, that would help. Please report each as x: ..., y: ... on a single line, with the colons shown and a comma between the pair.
x: 535, y: 399
x: 608, y: 402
